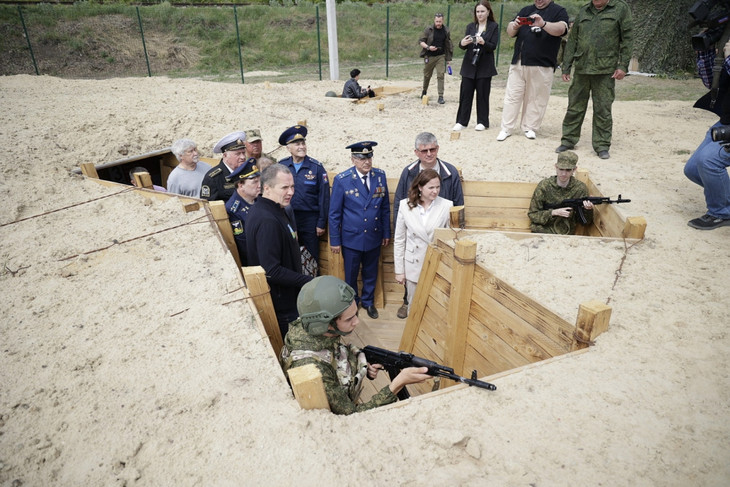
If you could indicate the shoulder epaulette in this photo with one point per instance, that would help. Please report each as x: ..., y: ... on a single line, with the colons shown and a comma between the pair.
x: 345, y: 174
x: 214, y: 172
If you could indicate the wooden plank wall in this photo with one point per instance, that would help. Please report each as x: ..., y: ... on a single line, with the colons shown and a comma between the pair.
x: 467, y: 318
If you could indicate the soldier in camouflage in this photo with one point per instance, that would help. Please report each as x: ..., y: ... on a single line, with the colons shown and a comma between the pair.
x: 327, y: 312
x: 554, y: 190
x: 599, y: 47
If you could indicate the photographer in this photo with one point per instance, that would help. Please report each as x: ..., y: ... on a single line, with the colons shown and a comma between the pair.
x: 539, y: 29
x: 708, y: 165
x: 477, y: 69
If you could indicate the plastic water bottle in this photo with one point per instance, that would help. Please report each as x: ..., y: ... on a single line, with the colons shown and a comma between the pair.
x: 448, y: 68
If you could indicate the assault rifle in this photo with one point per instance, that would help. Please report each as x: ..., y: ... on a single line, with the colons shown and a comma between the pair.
x: 393, y: 362
x: 577, y: 204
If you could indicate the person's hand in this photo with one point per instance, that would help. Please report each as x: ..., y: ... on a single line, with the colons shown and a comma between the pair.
x: 409, y: 375
x: 478, y: 40
x: 466, y: 41
x: 320, y: 231
x: 561, y: 212
x: 618, y: 74
x: 587, y: 205
x: 538, y: 21
x: 431, y: 48
x: 373, y: 370
x: 335, y: 249
x: 400, y: 278
x: 566, y: 76
x: 385, y: 242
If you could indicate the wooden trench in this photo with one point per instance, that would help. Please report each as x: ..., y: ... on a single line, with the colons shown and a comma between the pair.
x: 462, y: 315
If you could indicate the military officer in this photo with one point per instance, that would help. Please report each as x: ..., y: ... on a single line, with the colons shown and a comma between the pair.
x: 599, y: 49
x: 247, y: 179
x: 254, y: 144
x: 311, y: 199
x: 359, y: 220
x: 214, y: 185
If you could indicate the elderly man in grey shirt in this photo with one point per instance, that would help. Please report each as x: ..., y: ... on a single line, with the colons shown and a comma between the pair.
x: 185, y: 179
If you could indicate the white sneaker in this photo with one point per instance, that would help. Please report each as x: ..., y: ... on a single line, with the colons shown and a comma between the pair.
x: 480, y: 127
x: 457, y: 127
x: 530, y: 134
x: 502, y: 135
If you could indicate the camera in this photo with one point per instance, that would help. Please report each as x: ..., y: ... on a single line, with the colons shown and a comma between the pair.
x: 524, y: 21
x: 721, y: 134
x: 713, y: 15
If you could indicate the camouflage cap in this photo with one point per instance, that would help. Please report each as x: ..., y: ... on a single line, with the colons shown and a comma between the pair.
x: 252, y: 135
x: 567, y: 160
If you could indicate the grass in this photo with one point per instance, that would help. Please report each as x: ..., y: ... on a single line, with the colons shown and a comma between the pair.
x: 276, y: 37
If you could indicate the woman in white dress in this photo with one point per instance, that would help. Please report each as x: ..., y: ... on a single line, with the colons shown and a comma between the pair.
x: 418, y: 215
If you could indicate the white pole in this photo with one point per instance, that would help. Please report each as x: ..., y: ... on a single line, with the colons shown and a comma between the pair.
x: 332, y: 40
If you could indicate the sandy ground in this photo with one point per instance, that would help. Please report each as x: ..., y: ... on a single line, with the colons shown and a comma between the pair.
x: 127, y: 356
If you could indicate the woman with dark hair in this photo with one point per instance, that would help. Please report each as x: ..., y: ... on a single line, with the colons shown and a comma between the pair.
x: 478, y: 67
x: 418, y: 216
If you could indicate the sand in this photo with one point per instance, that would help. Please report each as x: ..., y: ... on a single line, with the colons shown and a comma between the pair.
x: 129, y: 358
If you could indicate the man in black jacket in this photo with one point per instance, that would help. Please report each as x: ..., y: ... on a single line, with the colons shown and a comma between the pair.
x: 436, y: 51
x: 271, y: 242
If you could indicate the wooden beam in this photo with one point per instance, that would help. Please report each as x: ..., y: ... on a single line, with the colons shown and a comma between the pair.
x: 456, y: 217
x: 635, y: 227
x: 462, y: 279
x: 593, y: 318
x: 220, y: 215
x: 88, y: 169
x: 379, y: 298
x: 143, y: 180
x: 306, y: 382
x: 418, y: 303
x: 258, y: 287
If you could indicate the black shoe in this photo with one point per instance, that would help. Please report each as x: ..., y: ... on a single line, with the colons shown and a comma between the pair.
x: 603, y: 154
x: 441, y: 100
x: 372, y: 312
x: 707, y: 222
x: 403, y: 311
x: 563, y: 148
x: 423, y: 93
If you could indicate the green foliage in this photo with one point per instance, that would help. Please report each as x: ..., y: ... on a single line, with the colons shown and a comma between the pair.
x: 279, y: 34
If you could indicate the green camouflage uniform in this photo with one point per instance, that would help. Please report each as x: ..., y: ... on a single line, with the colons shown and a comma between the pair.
x: 599, y: 43
x: 343, y: 368
x: 548, y: 191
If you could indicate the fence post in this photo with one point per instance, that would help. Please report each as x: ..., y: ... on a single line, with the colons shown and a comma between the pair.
x: 499, y: 37
x: 27, y: 38
x: 319, y: 42
x: 144, y: 44
x: 238, y: 41
x: 387, y: 38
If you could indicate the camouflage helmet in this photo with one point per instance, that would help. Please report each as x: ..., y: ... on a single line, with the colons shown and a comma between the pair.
x: 321, y: 300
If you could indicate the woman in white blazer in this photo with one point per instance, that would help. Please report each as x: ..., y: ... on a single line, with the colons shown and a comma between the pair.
x: 418, y: 215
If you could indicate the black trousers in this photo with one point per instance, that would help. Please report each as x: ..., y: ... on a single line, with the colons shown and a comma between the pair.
x: 466, y: 96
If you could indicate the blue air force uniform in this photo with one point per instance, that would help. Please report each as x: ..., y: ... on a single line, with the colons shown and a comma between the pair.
x: 311, y: 192
x: 359, y: 221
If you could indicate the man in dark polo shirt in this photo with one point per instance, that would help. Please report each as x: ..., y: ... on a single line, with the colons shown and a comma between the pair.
x: 436, y: 51
x: 533, y: 66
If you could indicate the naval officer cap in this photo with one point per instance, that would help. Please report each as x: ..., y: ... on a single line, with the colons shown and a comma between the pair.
x: 362, y: 150
x: 232, y: 141
x: 247, y: 170
x: 292, y: 134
